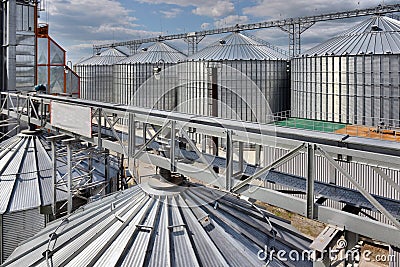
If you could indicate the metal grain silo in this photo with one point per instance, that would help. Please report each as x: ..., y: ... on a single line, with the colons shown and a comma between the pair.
x: 25, y: 187
x: 352, y: 78
x: 96, y: 75
x: 158, y: 224
x: 245, y: 78
x: 146, y: 78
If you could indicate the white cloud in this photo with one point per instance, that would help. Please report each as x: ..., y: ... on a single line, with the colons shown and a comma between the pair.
x: 215, y: 9
x: 209, y: 8
x: 80, y: 24
x: 277, y: 9
x: 172, y: 13
x: 230, y: 21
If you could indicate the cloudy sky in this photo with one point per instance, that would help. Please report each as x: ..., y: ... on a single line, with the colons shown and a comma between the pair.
x: 78, y: 24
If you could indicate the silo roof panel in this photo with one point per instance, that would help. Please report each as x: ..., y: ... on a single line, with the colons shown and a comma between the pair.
x: 237, y: 46
x: 26, y: 173
x: 107, y: 57
x: 158, y: 52
x: 146, y: 226
x: 376, y: 35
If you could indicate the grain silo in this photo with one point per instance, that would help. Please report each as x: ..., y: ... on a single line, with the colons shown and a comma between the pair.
x: 248, y: 79
x: 352, y: 78
x: 96, y: 75
x: 146, y: 78
x: 159, y: 224
x: 25, y: 188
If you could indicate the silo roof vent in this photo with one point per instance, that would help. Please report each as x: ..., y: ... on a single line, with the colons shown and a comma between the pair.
x: 375, y: 28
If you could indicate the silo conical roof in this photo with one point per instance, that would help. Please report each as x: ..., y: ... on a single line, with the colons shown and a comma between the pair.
x: 155, y: 53
x: 107, y: 57
x: 141, y: 225
x: 237, y: 46
x: 376, y: 35
x: 25, y: 174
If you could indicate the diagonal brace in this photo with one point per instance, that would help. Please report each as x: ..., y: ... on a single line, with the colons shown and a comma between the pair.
x: 200, y: 155
x: 291, y: 154
x: 142, y: 148
x: 362, y: 190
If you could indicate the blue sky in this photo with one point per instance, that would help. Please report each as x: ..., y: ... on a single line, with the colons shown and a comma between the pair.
x: 78, y: 24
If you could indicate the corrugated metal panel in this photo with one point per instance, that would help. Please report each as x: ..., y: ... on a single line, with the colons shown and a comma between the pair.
x: 377, y: 35
x: 361, y: 89
x: 134, y: 228
x: 25, y: 173
x: 251, y: 78
x: 359, y: 81
x: 395, y: 254
x: 136, y: 84
x: 155, y: 53
x: 25, y: 49
x: 107, y: 57
x: 18, y: 227
x: 247, y: 90
x: 237, y: 46
x: 96, y: 75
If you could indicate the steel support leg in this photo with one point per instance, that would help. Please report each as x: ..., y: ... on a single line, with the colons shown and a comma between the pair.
x: 229, y: 161
x: 99, y: 125
x: 241, y: 157
x: 107, y: 171
x: 54, y: 175
x: 258, y: 155
x: 310, y: 181
x: 69, y: 177
x: 173, y: 146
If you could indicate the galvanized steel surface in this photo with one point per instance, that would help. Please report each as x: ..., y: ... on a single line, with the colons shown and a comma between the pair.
x: 187, y: 227
x: 18, y: 227
x: 96, y: 75
x: 377, y: 35
x: 356, y: 81
x: 148, y: 78
x: 158, y: 52
x: 237, y: 46
x: 107, y: 57
x: 25, y: 175
x: 25, y: 47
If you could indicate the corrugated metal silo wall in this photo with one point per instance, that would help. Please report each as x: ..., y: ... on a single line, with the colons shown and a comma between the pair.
x: 238, y: 96
x: 96, y: 82
x: 364, y: 174
x: 18, y: 227
x: 25, y: 49
x: 135, y: 84
x: 360, y: 89
x: 194, y: 89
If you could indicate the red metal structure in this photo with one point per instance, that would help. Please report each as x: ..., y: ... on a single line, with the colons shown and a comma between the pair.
x: 52, y: 69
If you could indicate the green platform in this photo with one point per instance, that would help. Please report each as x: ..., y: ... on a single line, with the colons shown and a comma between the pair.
x: 313, y: 125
